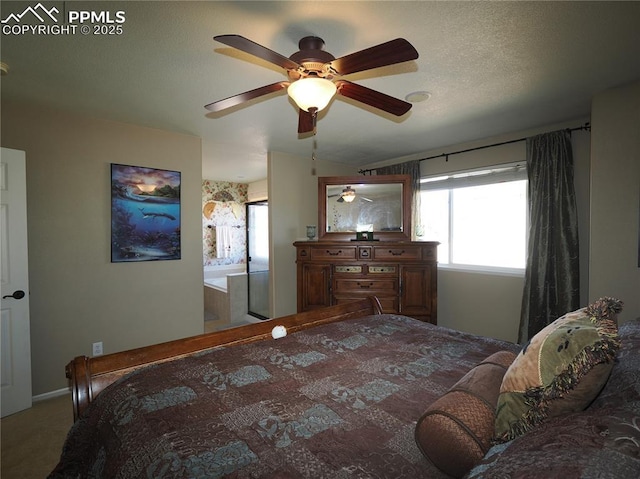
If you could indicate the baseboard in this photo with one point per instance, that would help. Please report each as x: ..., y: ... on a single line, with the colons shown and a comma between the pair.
x: 51, y: 395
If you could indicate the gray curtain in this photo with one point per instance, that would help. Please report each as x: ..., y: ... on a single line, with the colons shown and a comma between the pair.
x: 411, y: 168
x: 552, y: 283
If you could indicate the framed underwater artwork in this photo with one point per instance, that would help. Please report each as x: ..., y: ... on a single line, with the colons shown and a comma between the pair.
x: 145, y: 214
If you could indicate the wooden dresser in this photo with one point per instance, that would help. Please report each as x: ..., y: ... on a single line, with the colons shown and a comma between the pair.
x: 403, y: 275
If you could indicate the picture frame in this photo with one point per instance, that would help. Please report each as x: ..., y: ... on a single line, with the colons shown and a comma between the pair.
x: 145, y: 214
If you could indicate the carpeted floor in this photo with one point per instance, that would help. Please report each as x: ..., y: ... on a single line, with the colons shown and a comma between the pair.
x: 32, y: 439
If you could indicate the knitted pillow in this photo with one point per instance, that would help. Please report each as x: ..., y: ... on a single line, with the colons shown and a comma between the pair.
x: 455, y: 432
x: 561, y: 370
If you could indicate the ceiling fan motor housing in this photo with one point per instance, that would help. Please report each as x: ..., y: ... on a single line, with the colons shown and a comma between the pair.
x: 313, y: 58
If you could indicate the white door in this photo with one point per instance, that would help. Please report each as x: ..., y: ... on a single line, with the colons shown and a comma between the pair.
x: 15, y: 342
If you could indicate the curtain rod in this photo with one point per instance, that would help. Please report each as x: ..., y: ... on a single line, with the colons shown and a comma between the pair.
x: 585, y: 127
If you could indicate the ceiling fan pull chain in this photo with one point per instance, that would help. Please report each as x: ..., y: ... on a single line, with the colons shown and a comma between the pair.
x: 313, y: 157
x: 314, y: 118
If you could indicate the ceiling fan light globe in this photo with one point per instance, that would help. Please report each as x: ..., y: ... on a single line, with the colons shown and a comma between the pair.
x: 312, y: 93
x: 348, y: 194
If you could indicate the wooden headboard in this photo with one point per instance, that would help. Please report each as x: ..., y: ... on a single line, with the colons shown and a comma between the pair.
x: 89, y: 376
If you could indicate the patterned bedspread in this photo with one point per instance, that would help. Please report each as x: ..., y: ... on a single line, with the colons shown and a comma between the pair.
x: 336, y: 401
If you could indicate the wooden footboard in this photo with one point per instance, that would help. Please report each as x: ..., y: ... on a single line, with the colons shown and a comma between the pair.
x: 89, y: 376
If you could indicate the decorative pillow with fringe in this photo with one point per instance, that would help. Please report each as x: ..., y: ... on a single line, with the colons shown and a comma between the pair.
x: 561, y: 370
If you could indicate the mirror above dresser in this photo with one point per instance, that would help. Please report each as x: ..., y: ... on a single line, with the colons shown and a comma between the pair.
x: 377, y: 204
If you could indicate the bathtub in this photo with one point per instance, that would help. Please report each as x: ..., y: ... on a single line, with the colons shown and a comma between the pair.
x: 225, y: 294
x: 219, y: 284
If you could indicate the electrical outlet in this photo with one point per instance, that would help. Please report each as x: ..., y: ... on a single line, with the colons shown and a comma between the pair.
x: 97, y: 349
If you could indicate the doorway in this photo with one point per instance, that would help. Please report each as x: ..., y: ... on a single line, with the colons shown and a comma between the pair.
x: 15, y: 332
x: 258, y: 258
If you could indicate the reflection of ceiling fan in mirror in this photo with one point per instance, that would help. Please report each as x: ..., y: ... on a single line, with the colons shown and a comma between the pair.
x: 348, y: 195
x: 312, y: 73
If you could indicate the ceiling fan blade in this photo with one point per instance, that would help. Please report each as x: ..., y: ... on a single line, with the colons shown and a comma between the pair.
x: 246, y: 96
x: 306, y: 121
x: 389, y: 53
x: 255, y: 49
x: 373, y: 98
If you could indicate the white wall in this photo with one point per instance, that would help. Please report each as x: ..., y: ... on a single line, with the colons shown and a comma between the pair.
x: 293, y: 204
x: 258, y: 190
x: 480, y: 303
x: 77, y: 296
x: 615, y: 198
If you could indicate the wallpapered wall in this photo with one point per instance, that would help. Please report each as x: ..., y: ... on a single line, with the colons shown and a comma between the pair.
x: 224, y: 213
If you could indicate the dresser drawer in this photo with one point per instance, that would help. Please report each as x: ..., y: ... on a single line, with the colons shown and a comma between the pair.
x: 381, y: 285
x: 303, y: 253
x: 383, y: 270
x: 430, y: 253
x: 348, y: 270
x: 390, y: 304
x: 397, y: 253
x: 334, y: 252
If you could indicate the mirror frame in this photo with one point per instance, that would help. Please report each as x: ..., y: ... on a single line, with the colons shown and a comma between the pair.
x: 324, y: 181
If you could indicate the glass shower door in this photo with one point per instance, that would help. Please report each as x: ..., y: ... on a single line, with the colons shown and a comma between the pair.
x: 258, y: 258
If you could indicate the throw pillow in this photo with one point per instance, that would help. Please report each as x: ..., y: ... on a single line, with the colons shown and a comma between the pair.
x: 455, y: 432
x: 561, y: 370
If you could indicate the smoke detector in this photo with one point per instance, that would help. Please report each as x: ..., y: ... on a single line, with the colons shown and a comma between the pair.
x: 417, y: 96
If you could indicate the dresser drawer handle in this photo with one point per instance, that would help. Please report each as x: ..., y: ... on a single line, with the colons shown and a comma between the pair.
x: 396, y: 253
x: 337, y: 253
x: 365, y: 286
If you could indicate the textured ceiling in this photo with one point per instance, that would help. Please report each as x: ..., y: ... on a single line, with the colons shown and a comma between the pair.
x: 491, y: 68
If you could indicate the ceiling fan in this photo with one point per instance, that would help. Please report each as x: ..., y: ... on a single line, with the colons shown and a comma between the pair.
x: 348, y: 195
x: 312, y: 76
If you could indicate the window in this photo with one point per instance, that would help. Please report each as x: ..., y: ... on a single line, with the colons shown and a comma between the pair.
x: 479, y: 217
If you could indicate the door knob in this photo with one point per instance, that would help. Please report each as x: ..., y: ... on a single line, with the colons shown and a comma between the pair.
x: 16, y: 295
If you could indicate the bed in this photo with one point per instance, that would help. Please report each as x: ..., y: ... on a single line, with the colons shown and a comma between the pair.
x: 337, y: 397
